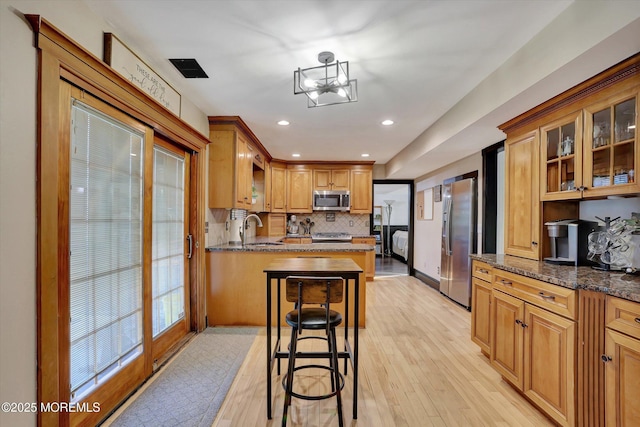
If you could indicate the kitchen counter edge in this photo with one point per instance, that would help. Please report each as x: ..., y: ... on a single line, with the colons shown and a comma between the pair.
x: 618, y: 284
x: 273, y: 244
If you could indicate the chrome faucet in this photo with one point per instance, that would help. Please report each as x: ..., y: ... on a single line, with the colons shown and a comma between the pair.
x: 244, y: 226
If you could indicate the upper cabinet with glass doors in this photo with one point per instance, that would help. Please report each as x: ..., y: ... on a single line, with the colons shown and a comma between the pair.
x: 611, y: 146
x: 561, y: 146
x: 598, y: 159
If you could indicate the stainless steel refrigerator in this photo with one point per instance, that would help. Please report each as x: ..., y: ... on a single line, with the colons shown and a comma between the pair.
x: 458, y: 239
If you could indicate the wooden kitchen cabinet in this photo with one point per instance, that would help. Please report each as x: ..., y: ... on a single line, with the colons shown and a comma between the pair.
x: 481, y: 305
x: 331, y: 179
x: 522, y: 194
x: 507, y: 336
x: 273, y: 224
x: 232, y: 152
x: 229, y: 170
x: 622, y: 362
x: 561, y: 158
x: 298, y: 240
x: 599, y: 160
x: 299, y: 193
x: 533, y: 342
x: 370, y: 256
x: 611, y: 146
x: 361, y: 190
x: 278, y: 194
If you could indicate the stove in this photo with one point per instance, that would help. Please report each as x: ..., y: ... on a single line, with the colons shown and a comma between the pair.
x: 331, y: 238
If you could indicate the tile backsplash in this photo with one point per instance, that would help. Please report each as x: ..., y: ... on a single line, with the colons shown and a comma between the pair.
x: 218, y: 225
x: 343, y: 223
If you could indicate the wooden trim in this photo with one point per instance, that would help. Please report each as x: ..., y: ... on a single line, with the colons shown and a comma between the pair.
x: 83, y: 68
x: 426, y: 279
x: 61, y: 59
x: 590, y: 375
x: 622, y: 71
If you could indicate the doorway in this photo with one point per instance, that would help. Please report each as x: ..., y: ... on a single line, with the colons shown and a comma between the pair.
x: 391, y: 225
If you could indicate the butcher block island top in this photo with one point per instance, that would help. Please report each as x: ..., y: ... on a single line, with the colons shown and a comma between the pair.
x: 613, y: 283
x: 236, y: 288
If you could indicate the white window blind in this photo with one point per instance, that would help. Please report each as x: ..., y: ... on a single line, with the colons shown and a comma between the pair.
x: 106, y: 198
x: 168, y: 239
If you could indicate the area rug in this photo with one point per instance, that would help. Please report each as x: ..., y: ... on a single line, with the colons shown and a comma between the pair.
x: 190, y: 390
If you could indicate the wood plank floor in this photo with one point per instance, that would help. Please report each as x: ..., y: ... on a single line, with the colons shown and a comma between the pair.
x: 418, y: 367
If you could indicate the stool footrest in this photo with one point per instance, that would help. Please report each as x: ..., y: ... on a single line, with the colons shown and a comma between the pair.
x: 318, y: 397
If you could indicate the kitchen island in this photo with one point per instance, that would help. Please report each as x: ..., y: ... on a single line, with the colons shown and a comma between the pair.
x: 236, y: 293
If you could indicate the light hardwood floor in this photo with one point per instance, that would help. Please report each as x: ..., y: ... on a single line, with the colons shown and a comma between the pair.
x: 418, y: 367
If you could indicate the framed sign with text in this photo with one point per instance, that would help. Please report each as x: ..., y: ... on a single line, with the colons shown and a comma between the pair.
x: 130, y: 66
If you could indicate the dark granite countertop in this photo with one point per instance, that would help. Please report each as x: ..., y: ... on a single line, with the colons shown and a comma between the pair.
x: 618, y: 284
x: 274, y: 244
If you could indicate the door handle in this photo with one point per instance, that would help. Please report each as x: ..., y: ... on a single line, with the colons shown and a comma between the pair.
x: 190, y: 240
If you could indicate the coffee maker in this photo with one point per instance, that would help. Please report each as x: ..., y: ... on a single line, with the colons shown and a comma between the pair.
x: 569, y: 241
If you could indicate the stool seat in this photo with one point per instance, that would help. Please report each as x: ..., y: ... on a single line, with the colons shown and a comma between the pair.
x: 314, y: 318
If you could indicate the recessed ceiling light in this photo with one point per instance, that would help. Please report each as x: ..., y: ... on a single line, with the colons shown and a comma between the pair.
x: 364, y: 155
x: 387, y: 122
x: 295, y: 155
x: 283, y: 123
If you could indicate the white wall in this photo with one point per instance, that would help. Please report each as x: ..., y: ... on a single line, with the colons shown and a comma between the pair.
x: 399, y: 193
x: 609, y: 207
x: 427, y: 234
x: 18, y: 114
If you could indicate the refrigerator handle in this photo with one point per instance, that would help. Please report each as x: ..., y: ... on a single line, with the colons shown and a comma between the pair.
x: 449, y: 227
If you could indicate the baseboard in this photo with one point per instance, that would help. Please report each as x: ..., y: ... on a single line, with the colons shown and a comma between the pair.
x: 425, y: 278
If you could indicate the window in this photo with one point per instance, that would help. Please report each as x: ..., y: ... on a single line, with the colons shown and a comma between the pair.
x: 168, y: 239
x: 106, y: 264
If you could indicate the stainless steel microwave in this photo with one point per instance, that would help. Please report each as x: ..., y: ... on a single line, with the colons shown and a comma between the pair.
x: 331, y: 201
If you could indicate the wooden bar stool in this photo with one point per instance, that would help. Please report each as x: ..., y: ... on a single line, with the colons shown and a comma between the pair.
x: 314, y: 290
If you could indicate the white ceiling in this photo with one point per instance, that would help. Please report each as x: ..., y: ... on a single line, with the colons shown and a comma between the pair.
x: 414, y: 61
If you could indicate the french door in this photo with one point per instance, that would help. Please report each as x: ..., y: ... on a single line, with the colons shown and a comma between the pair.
x: 172, y: 246
x: 129, y: 249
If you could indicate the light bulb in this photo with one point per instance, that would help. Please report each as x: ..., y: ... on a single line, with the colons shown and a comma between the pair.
x: 342, y: 79
x: 313, y: 95
x: 342, y: 92
x: 309, y: 83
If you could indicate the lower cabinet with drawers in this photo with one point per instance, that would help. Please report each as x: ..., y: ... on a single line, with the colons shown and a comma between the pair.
x: 575, y: 354
x: 532, y: 337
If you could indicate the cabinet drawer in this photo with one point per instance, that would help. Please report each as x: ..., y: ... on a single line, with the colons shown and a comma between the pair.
x: 623, y: 316
x: 481, y: 270
x: 554, y: 298
x: 363, y: 241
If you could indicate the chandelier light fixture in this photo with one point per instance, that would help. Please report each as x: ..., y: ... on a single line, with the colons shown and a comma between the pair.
x: 326, y: 84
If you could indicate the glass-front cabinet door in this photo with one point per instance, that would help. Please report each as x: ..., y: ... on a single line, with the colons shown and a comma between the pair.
x: 561, y: 165
x: 611, y: 146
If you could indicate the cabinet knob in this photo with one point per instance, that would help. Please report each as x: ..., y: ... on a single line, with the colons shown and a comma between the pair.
x: 534, y: 243
x: 605, y: 358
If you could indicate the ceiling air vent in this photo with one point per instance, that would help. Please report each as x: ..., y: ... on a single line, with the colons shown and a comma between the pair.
x: 189, y: 68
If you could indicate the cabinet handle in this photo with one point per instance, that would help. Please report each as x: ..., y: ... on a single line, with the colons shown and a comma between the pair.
x: 506, y: 282
x: 637, y: 319
x: 521, y: 323
x: 605, y: 358
x: 551, y: 297
x: 483, y: 271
